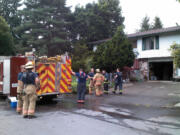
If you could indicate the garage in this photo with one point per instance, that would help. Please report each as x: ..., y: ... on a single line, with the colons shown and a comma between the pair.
x: 161, y: 70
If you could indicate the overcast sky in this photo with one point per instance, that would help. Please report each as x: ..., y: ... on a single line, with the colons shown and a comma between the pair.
x: 135, y: 10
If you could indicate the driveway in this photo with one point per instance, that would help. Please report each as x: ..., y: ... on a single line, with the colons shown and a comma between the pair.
x: 143, y: 109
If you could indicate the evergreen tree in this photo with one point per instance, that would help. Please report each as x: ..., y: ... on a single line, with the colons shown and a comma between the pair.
x: 110, y: 10
x: 80, y: 57
x: 115, y: 53
x: 97, y: 21
x: 9, y: 11
x: 145, y: 24
x: 45, y: 26
x: 157, y: 23
x: 6, y: 40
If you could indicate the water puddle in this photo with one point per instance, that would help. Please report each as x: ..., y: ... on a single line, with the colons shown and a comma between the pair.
x: 97, y: 114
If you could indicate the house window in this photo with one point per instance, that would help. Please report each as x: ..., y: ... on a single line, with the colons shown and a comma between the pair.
x: 150, y: 43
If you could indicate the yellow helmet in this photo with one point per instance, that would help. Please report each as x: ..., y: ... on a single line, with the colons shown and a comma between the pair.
x: 29, y: 65
x: 98, y: 70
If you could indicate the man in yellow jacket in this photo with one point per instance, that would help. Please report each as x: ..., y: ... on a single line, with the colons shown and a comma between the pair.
x: 98, y: 82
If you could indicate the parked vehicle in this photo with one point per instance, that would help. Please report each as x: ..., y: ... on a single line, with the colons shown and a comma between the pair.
x: 54, y: 73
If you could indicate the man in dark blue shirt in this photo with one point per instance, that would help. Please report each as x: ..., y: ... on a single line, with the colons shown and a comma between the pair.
x: 81, y: 87
x: 30, y: 81
x: 20, y: 90
x: 106, y: 81
x: 118, y: 81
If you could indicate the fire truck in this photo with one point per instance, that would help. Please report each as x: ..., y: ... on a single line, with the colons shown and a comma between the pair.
x: 54, y: 74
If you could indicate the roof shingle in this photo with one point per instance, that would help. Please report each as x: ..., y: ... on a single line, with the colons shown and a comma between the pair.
x: 155, y: 31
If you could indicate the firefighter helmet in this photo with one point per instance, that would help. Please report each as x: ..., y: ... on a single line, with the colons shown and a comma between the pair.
x: 29, y: 65
x: 98, y: 70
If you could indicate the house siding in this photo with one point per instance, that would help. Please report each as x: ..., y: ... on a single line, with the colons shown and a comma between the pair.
x: 165, y: 41
x: 157, y: 55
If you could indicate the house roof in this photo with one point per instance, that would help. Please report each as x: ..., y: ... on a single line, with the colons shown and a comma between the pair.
x: 154, y: 32
x: 143, y: 34
x: 99, y: 41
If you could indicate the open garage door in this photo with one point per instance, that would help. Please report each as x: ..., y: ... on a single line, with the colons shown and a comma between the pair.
x: 161, y: 70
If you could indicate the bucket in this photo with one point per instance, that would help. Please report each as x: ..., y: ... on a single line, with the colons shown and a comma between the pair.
x: 14, y: 104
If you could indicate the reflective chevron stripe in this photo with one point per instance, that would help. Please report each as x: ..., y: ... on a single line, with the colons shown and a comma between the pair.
x: 66, y: 78
x: 47, y: 78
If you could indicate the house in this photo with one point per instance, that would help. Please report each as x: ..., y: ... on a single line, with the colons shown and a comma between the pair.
x: 153, y: 61
x: 152, y: 51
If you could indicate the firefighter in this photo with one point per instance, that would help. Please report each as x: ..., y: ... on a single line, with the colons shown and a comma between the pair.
x: 20, y: 90
x: 98, y: 81
x: 30, y: 81
x: 106, y: 81
x: 91, y: 84
x: 118, y: 81
x: 81, y: 87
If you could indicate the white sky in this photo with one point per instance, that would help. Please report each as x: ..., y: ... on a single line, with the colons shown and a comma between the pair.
x: 135, y: 10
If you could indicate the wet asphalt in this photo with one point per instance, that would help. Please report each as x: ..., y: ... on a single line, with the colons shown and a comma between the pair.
x: 143, y: 109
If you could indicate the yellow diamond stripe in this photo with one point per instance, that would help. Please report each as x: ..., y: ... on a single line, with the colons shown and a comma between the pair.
x: 52, y: 85
x: 63, y: 76
x: 49, y: 90
x: 45, y: 90
x: 68, y: 74
x: 44, y: 83
x: 61, y: 90
x: 51, y: 75
x: 41, y: 68
x: 43, y: 75
x: 62, y: 83
x: 52, y: 68
x: 63, y: 67
x: 39, y: 92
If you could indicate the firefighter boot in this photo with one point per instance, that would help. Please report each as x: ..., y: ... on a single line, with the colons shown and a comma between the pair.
x: 32, y: 105
x: 29, y: 100
x: 120, y: 92
x: 25, y: 106
x: 97, y: 91
x: 90, y: 87
x: 19, y: 103
x: 101, y: 92
x: 114, y: 91
x: 90, y: 91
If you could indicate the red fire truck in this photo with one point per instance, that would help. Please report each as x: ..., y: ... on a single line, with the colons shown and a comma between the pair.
x: 54, y: 74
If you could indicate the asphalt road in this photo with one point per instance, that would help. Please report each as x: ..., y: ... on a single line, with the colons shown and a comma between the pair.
x: 143, y: 109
